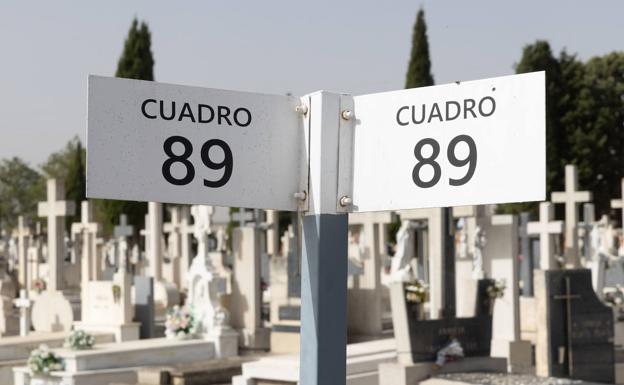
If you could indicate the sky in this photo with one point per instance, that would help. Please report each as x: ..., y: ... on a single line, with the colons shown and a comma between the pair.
x: 48, y: 49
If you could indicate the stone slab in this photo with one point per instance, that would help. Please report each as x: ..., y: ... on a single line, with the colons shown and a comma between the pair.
x: 363, y: 360
x: 17, y: 348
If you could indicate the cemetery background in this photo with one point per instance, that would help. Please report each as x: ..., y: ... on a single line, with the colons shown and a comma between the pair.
x: 240, y: 269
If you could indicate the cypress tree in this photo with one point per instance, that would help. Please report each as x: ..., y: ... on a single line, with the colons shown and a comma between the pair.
x: 76, y: 181
x: 136, y: 62
x: 419, y: 68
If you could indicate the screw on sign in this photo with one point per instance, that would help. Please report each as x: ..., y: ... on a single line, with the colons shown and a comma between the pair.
x: 325, y: 155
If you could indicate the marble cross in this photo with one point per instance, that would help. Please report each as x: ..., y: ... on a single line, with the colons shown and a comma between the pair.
x: 23, y: 304
x: 23, y: 234
x: 571, y: 197
x: 122, y: 232
x: 87, y: 231
x: 55, y: 209
x: 243, y: 216
x: 546, y: 228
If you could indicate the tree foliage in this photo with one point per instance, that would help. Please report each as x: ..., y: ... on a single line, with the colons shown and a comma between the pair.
x: 68, y: 165
x: 584, y: 121
x: 136, y: 62
x: 419, y: 67
x: 21, y: 188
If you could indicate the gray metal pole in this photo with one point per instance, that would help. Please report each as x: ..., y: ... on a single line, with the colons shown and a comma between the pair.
x: 324, y: 251
x: 324, y: 300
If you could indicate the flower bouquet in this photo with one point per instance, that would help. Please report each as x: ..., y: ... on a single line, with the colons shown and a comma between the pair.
x: 43, y: 361
x: 80, y: 340
x: 416, y: 293
x: 38, y: 285
x: 180, y: 323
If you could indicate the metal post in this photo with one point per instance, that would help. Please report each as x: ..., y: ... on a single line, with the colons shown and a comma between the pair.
x: 324, y: 259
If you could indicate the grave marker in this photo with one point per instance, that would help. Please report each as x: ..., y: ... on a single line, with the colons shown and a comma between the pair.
x: 23, y: 233
x: 583, y: 348
x: 546, y: 228
x: 56, y: 209
x: 571, y: 197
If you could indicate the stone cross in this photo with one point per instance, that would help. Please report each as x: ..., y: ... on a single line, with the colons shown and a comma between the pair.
x: 243, y: 216
x: 122, y: 232
x: 619, y: 203
x: 272, y: 232
x: 545, y: 228
x: 201, y: 215
x: 186, y: 232
x: 587, y: 225
x: 87, y: 230
x: 23, y: 304
x: 571, y: 197
x: 154, y: 247
x: 55, y: 209
x: 23, y: 234
x: 173, y: 230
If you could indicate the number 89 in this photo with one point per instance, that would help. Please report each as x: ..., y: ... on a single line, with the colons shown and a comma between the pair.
x: 227, y: 164
x: 470, y: 160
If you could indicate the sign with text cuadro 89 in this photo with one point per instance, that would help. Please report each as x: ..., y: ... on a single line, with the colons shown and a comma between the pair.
x: 150, y: 141
x: 457, y: 144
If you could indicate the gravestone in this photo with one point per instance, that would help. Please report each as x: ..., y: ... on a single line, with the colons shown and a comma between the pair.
x: 107, y: 305
x: 173, y: 229
x: 246, y: 298
x: 144, y: 310
x: 206, y: 288
x: 419, y: 340
x: 575, y: 330
x: 54, y: 310
x: 285, y: 289
x: 365, y: 298
x: 23, y: 235
x: 546, y: 228
x: 503, y: 250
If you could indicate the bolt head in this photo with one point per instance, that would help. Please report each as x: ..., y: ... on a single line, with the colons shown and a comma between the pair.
x: 347, y: 114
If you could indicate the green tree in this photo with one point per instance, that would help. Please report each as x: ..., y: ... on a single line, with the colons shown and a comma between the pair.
x: 538, y: 57
x: 136, y: 62
x: 68, y: 165
x: 21, y: 188
x: 76, y: 181
x: 595, y: 127
x: 419, y: 68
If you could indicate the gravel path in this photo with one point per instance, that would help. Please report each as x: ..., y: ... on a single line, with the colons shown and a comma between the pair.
x: 509, y: 379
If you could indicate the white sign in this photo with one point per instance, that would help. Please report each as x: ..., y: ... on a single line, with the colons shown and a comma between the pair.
x: 150, y: 141
x: 457, y: 144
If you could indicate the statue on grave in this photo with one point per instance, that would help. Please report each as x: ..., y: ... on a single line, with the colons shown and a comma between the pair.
x: 110, y: 252
x: 401, y: 268
x: 479, y: 245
